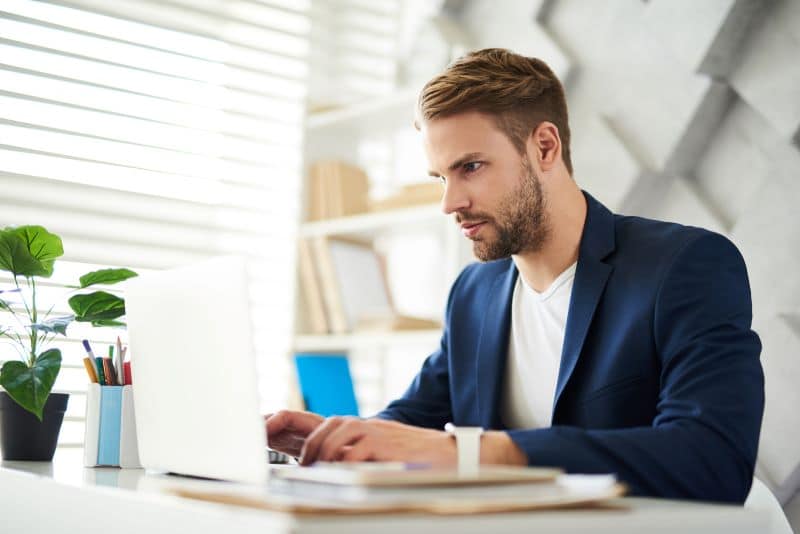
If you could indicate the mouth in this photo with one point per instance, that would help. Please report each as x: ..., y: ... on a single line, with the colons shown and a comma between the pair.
x: 471, y: 229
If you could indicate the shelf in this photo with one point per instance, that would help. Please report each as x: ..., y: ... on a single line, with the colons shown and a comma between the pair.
x: 369, y: 223
x: 311, y: 343
x: 394, y: 108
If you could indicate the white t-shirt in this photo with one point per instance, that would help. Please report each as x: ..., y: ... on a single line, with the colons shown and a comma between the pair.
x: 538, y: 321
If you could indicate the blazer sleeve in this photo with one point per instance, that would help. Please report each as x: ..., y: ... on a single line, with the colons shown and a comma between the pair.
x: 703, y: 441
x: 427, y: 402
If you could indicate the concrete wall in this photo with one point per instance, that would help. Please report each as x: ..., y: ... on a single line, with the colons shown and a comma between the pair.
x: 689, y: 111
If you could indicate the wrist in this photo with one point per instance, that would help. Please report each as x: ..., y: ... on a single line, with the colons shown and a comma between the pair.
x: 498, y: 448
x: 468, y: 445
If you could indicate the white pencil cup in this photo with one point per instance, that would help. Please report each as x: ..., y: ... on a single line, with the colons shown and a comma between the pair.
x: 110, y: 438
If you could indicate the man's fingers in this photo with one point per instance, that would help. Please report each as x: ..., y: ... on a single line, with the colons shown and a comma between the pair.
x: 303, y: 422
x: 360, y: 452
x: 311, y: 448
x: 348, y: 433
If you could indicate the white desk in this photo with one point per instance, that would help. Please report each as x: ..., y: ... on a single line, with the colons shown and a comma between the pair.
x: 65, y: 497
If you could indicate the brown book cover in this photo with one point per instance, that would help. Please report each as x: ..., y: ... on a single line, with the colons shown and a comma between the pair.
x: 408, y: 196
x: 336, y: 189
x: 331, y: 293
x: 312, y: 290
x: 396, y: 323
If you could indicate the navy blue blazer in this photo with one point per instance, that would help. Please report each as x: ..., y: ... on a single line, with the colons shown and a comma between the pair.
x: 660, y: 380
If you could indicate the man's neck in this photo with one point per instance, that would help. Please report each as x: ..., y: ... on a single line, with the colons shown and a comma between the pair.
x: 566, y: 211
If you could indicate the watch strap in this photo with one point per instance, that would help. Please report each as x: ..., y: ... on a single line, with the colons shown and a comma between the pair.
x: 468, y: 446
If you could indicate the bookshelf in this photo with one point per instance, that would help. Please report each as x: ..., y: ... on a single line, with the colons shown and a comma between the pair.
x: 370, y: 224
x: 382, y: 361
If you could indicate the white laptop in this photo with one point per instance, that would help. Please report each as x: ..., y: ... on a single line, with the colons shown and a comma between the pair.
x: 194, y: 374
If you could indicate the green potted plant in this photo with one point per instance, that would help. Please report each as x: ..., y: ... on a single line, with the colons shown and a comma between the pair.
x: 30, y: 415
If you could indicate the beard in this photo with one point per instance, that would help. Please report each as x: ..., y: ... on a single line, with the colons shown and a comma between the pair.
x: 520, y: 222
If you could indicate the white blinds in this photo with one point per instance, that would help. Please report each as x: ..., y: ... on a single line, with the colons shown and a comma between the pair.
x: 354, y: 50
x: 150, y: 134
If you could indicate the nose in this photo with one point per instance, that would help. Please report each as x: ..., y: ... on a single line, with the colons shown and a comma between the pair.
x: 454, y: 199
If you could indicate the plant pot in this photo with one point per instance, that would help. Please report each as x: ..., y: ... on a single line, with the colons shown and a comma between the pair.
x: 23, y: 436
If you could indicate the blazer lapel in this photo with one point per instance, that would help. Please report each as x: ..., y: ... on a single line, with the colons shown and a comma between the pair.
x: 493, y: 347
x: 591, y: 276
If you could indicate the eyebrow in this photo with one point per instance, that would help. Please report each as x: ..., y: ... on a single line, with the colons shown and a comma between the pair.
x: 458, y: 163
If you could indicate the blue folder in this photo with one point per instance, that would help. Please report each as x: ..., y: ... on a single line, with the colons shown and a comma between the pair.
x: 326, y: 384
x: 108, y: 431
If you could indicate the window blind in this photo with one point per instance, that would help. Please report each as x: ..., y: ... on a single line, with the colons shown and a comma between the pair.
x: 152, y: 134
x: 354, y: 50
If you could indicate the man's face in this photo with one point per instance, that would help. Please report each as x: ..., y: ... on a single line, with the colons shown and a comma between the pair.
x: 492, y: 190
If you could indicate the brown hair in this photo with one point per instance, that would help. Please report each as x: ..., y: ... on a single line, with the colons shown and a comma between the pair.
x: 519, y: 92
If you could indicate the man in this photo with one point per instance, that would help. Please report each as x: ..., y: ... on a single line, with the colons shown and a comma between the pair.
x: 585, y: 340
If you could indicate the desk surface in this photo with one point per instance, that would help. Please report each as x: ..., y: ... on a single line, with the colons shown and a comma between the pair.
x: 63, y: 496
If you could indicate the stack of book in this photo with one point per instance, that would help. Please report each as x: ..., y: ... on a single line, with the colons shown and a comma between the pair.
x: 336, y: 189
x: 345, y: 289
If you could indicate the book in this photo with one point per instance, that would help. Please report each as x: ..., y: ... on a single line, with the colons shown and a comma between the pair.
x: 408, y: 196
x: 331, y: 295
x: 357, y: 273
x: 405, y: 475
x: 326, y: 384
x: 336, y: 189
x: 396, y: 323
x: 314, y: 498
x: 312, y: 291
x: 354, y: 289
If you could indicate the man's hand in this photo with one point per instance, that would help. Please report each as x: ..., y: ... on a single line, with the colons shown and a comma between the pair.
x: 287, y: 430
x: 350, y: 439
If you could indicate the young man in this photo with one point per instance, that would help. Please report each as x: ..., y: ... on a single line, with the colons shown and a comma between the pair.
x: 585, y: 340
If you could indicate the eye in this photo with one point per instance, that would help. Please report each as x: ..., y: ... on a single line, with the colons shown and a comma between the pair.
x: 472, y: 166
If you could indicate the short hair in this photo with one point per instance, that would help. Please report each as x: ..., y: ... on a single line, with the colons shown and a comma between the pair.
x: 519, y: 92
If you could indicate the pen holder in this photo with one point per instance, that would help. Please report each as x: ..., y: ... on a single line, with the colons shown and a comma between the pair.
x: 110, y: 428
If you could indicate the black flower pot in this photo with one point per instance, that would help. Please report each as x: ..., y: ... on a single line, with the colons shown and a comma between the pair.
x: 23, y: 436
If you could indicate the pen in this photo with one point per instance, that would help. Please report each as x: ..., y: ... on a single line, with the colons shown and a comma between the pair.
x: 101, y: 377
x: 88, y: 349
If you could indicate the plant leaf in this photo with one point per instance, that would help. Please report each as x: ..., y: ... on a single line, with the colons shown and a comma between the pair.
x: 97, y: 306
x: 110, y: 323
x: 57, y: 325
x: 106, y: 276
x: 29, y: 250
x: 14, y: 255
x: 30, y: 386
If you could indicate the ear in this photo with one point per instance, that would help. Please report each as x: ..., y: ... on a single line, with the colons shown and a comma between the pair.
x: 544, y: 146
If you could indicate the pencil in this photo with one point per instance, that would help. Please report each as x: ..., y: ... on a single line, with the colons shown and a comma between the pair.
x: 113, y: 361
x: 90, y: 370
x: 119, y: 360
